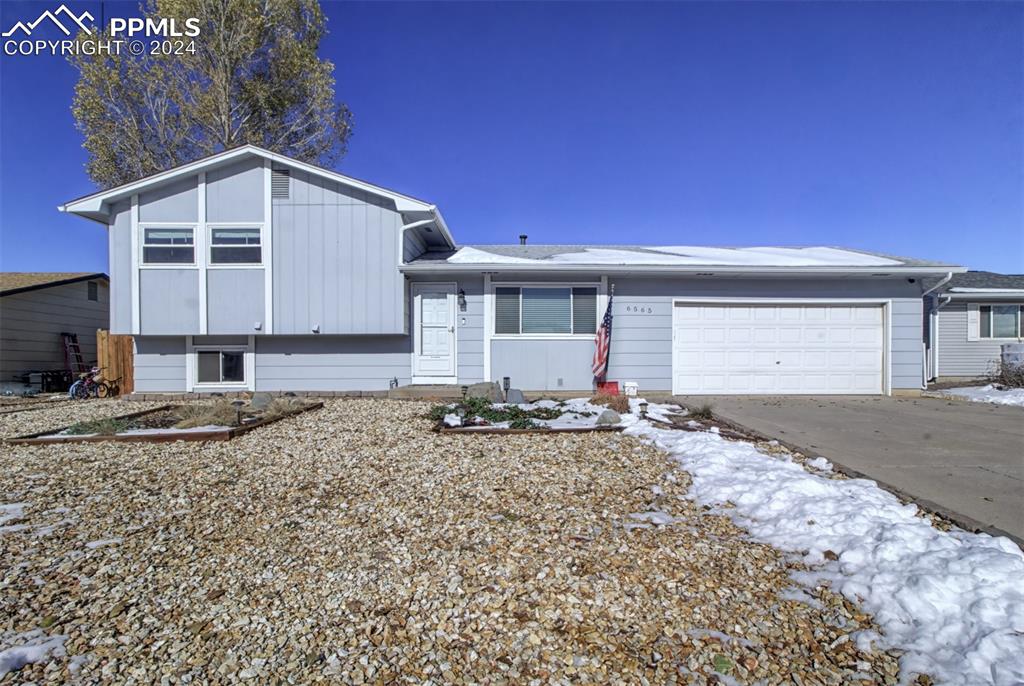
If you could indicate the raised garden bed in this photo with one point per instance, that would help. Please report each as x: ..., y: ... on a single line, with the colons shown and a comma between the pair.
x: 168, y: 423
x: 480, y: 416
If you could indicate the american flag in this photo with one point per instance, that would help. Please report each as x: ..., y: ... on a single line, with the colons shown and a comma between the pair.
x: 603, y: 344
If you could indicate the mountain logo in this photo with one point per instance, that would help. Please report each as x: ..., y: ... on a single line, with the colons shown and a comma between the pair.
x: 28, y: 28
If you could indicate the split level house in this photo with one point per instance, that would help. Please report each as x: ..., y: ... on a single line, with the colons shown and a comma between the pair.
x: 248, y: 270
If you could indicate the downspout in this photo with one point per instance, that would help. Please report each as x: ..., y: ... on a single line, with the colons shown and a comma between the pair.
x: 930, y: 372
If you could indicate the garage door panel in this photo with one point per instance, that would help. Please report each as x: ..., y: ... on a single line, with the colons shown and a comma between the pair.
x: 742, y: 349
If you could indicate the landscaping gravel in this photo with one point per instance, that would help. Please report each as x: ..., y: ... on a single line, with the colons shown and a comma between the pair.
x: 352, y: 544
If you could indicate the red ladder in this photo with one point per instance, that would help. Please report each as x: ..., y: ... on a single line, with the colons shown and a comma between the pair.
x: 73, y: 359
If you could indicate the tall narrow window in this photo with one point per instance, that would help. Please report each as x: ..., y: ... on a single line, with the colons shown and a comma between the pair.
x: 168, y: 246
x: 235, y: 246
x: 93, y: 292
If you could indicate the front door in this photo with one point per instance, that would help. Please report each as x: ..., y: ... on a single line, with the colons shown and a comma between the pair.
x: 434, y: 321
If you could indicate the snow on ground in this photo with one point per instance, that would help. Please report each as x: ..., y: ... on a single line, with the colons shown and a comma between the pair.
x: 26, y: 648
x: 954, y: 601
x: 987, y: 394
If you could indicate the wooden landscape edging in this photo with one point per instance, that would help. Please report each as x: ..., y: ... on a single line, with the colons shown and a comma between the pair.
x: 538, y: 430
x: 49, y: 437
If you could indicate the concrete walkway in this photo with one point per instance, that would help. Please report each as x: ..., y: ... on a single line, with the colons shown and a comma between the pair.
x: 963, y: 460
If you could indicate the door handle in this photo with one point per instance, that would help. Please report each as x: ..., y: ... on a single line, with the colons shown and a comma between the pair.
x: 451, y: 329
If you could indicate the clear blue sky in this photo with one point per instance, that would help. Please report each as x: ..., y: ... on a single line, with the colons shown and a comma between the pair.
x: 884, y: 126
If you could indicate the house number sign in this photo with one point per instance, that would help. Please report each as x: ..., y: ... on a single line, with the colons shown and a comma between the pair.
x: 639, y: 309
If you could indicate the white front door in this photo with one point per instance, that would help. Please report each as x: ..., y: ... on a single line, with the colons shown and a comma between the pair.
x: 735, y: 348
x: 433, y: 359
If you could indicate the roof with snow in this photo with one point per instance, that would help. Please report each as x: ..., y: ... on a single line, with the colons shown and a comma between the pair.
x: 674, y: 257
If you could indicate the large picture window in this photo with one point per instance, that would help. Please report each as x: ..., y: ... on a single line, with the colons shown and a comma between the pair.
x: 235, y: 245
x: 545, y: 310
x: 220, y: 366
x: 168, y: 246
x: 1000, y: 321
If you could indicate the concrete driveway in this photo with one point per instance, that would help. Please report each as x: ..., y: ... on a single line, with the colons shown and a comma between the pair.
x: 963, y: 460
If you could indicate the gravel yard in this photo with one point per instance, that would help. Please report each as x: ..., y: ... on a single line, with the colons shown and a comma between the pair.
x: 353, y: 544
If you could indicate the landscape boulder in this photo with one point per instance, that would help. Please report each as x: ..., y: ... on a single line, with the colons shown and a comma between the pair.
x: 261, y: 400
x: 515, y: 397
x: 608, y: 418
x: 489, y: 390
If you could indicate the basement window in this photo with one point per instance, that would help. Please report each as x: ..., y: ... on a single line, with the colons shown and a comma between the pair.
x: 220, y: 366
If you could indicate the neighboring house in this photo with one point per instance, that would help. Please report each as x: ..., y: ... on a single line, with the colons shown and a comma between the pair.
x: 969, y: 318
x: 36, y: 308
x: 248, y: 270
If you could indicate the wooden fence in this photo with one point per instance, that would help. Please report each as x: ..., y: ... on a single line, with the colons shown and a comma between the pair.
x: 115, y: 359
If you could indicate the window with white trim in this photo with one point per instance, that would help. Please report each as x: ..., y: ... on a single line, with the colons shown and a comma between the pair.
x: 1000, y: 321
x: 168, y: 245
x: 220, y: 366
x: 235, y: 245
x: 552, y: 310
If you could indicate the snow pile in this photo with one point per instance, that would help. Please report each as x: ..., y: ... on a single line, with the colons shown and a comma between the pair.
x: 988, y: 394
x: 27, y: 648
x: 954, y: 601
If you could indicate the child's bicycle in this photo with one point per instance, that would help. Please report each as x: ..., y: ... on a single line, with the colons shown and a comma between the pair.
x: 92, y: 385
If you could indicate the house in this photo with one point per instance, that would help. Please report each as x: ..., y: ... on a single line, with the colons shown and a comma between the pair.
x: 35, y: 309
x: 969, y: 318
x: 248, y: 270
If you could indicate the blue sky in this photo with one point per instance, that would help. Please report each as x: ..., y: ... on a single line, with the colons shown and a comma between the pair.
x: 884, y: 126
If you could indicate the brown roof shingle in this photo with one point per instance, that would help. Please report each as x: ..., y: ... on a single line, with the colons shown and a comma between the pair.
x: 19, y: 281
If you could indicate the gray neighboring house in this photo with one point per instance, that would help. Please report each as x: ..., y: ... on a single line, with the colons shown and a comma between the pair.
x: 968, y: 319
x: 36, y: 307
x: 248, y: 270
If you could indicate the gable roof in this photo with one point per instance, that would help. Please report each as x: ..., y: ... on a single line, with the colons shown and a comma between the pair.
x: 672, y: 258
x: 96, y: 206
x: 20, y: 282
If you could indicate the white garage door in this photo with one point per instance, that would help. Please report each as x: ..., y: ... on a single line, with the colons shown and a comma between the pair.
x: 759, y: 349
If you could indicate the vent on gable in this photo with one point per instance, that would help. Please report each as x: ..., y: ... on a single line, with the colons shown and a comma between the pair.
x: 280, y: 183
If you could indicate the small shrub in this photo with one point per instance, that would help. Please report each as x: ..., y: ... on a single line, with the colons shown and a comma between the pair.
x: 705, y: 412
x: 522, y: 423
x: 1009, y: 375
x: 619, y: 403
x: 103, y: 427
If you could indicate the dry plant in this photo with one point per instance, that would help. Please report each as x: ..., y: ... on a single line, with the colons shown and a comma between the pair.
x: 619, y: 403
x: 217, y: 413
x: 1007, y: 374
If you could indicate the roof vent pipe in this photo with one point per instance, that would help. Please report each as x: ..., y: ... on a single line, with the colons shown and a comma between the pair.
x: 522, y: 239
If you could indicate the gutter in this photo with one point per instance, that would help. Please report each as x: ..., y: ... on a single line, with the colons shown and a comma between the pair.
x: 933, y: 332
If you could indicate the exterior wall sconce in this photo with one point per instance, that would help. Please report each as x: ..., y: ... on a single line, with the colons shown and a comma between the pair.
x: 643, y: 409
x: 462, y: 300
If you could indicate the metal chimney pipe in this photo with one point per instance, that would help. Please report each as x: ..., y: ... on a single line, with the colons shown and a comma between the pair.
x: 522, y: 239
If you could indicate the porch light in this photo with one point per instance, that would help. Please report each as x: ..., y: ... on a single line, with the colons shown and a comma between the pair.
x: 462, y: 300
x: 643, y: 409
